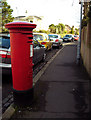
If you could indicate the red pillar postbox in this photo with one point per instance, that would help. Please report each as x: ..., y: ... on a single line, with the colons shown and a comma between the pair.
x: 21, y: 59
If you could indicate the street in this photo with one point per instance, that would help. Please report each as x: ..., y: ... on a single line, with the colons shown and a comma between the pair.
x: 49, y: 51
x: 62, y: 91
x: 7, y: 94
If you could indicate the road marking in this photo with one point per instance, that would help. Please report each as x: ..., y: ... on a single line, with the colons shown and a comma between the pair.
x: 72, y: 43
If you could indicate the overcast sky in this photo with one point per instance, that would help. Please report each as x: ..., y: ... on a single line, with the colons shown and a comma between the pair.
x: 54, y: 11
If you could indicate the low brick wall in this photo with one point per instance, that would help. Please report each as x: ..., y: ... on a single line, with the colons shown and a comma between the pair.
x: 86, y: 47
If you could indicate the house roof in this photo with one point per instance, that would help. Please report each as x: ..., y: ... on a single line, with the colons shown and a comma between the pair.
x: 31, y: 17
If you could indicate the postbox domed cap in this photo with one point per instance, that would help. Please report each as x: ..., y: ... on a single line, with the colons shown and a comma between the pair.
x: 20, y: 24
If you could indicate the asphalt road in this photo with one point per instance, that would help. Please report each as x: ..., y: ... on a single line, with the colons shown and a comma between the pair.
x: 7, y: 79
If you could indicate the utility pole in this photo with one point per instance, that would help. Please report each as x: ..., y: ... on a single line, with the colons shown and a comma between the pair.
x: 73, y: 3
x: 79, y: 40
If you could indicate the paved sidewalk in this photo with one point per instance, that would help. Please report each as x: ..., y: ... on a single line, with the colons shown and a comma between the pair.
x: 62, y: 91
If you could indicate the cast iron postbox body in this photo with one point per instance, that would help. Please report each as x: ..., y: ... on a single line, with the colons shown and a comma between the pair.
x: 21, y: 60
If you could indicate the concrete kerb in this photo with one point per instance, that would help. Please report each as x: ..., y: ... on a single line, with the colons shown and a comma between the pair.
x: 10, y: 110
x: 8, y: 113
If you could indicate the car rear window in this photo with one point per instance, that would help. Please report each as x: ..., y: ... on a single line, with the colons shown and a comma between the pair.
x: 68, y: 36
x: 75, y: 36
x: 53, y: 36
x: 4, y: 42
x: 37, y: 37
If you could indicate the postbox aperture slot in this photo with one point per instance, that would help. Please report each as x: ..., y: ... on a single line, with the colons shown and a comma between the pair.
x: 30, y: 37
x: 29, y: 41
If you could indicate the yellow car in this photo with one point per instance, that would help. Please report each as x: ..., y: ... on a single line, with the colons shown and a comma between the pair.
x: 42, y: 38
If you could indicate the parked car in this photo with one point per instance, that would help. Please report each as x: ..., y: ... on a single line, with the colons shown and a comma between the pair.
x: 55, y: 39
x: 43, y: 39
x: 68, y: 37
x: 39, y: 52
x: 76, y: 37
x: 5, y: 56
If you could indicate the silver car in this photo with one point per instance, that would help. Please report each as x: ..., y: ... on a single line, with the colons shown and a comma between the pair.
x: 5, y: 57
x: 68, y: 37
x: 56, y: 40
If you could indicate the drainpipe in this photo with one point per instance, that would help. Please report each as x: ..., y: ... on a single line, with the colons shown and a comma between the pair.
x: 79, y: 40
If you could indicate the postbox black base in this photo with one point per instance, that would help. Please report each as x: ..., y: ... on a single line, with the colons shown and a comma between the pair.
x: 23, y: 98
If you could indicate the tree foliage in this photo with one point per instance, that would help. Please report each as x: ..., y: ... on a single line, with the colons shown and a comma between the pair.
x: 60, y: 28
x: 52, y: 28
x: 72, y: 30
x: 41, y: 31
x: 76, y: 31
x: 6, y: 15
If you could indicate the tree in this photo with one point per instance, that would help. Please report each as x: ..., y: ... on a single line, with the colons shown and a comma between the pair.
x: 52, y: 28
x: 61, y: 28
x: 57, y: 29
x: 76, y: 31
x: 6, y: 15
x: 72, y: 30
x: 43, y: 31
